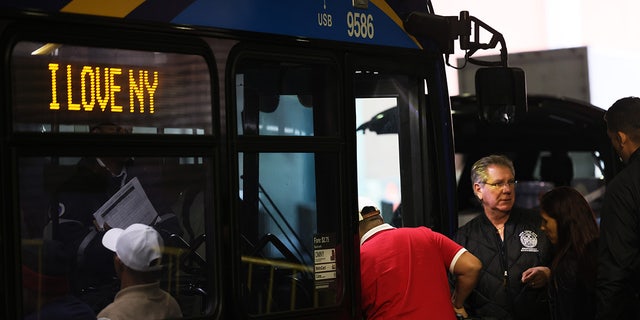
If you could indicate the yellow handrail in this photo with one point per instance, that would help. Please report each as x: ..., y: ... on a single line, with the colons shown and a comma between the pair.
x: 273, y: 264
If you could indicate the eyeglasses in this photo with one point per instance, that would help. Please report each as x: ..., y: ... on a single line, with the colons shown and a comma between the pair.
x: 500, y: 185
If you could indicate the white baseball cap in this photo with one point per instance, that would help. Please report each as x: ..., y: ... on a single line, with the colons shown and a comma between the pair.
x: 368, y: 212
x: 139, y: 246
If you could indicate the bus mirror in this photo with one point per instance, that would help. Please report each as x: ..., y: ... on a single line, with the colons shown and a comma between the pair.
x: 501, y: 94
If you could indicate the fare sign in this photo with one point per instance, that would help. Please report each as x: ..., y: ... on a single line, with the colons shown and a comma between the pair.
x: 324, y: 260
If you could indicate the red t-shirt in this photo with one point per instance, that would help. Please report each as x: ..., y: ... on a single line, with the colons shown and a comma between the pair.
x: 404, y: 274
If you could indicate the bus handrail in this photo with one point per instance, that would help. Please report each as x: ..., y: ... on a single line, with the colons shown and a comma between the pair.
x: 277, y: 263
x: 273, y: 264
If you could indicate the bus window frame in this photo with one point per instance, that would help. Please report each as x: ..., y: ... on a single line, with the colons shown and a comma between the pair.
x: 319, y: 145
x: 125, y: 38
x: 30, y: 144
x: 421, y: 207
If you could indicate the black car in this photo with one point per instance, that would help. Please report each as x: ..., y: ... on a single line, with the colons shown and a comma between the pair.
x: 558, y: 141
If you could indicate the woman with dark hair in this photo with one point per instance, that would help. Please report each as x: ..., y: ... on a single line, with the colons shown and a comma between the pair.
x: 570, y: 224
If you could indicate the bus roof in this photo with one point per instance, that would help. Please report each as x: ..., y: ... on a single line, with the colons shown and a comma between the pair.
x: 376, y: 22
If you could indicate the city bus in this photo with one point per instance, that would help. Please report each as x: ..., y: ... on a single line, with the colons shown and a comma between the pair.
x: 229, y: 126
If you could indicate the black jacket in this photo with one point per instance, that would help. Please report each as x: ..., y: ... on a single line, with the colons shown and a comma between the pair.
x: 500, y: 293
x: 572, y: 287
x: 618, y: 280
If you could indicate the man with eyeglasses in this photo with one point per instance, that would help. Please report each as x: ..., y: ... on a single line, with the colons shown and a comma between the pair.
x: 514, y: 252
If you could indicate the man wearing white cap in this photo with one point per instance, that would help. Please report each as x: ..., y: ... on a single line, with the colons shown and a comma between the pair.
x: 137, y: 261
x: 404, y: 271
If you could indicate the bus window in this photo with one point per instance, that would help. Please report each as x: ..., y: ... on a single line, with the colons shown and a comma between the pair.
x: 384, y: 100
x: 67, y: 88
x: 289, y: 240
x: 285, y: 99
x: 99, y: 164
x: 61, y: 198
x: 379, y: 158
x: 289, y: 187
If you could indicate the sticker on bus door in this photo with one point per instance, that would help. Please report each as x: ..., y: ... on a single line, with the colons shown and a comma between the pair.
x: 324, y: 260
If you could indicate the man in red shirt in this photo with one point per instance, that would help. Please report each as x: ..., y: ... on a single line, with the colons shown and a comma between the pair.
x: 404, y: 271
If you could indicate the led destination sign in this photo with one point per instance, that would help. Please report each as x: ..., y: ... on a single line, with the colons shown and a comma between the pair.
x: 69, y: 88
x: 110, y: 89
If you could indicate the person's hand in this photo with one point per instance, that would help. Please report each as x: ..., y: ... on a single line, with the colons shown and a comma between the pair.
x: 461, y: 311
x: 105, y: 227
x: 536, y: 277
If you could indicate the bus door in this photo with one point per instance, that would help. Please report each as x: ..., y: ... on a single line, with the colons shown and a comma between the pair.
x: 289, y: 190
x: 402, y: 145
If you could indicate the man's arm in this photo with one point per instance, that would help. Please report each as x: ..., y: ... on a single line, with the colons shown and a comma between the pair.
x: 466, y: 270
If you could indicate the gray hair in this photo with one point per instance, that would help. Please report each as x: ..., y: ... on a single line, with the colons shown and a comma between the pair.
x: 479, y: 169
